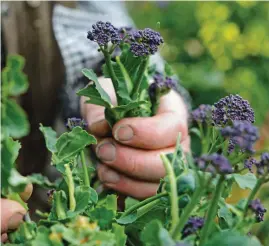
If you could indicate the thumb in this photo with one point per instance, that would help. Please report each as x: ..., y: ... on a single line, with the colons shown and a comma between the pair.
x: 11, y: 215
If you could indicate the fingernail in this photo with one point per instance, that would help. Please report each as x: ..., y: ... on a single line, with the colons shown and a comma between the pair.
x: 15, y: 220
x: 110, y: 176
x: 124, y: 133
x: 106, y: 151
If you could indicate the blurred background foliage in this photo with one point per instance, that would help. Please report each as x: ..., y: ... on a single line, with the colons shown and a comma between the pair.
x: 216, y: 48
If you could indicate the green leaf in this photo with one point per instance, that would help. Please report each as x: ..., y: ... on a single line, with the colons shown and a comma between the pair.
x: 15, y: 62
x: 15, y: 120
x: 229, y: 237
x: 168, y: 70
x: 149, y: 235
x: 71, y: 143
x: 111, y: 203
x: 226, y: 215
x: 128, y: 219
x: 50, y: 137
x: 92, y: 76
x: 24, y: 233
x: 16, y: 197
x: 165, y: 238
x: 39, y: 179
x: 246, y: 181
x: 120, y: 236
x: 103, y: 217
x: 129, y: 202
x: 17, y: 181
x: 18, y: 83
x: 42, y: 237
x: 196, y: 131
x: 95, y: 97
x: 9, y: 153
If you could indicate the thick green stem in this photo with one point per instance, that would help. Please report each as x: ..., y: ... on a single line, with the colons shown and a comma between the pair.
x: 155, y: 105
x: 85, y: 169
x: 173, y: 192
x: 141, y: 71
x: 111, y: 72
x: 212, y: 211
x: 252, y: 195
x: 143, y: 203
x: 59, y: 207
x: 186, y: 213
x: 71, y: 187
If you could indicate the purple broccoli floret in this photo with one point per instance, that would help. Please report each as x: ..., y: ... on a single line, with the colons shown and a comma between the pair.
x: 202, y: 114
x: 161, y: 85
x: 74, y: 122
x: 194, y: 224
x: 214, y: 163
x: 242, y: 134
x: 263, y: 165
x: 249, y: 163
x: 231, y: 108
x: 145, y: 42
x: 258, y: 209
x: 103, y: 33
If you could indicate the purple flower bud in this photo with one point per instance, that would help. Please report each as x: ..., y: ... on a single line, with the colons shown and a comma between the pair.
x: 242, y: 134
x: 161, y: 85
x: 145, y: 42
x: 74, y: 122
x: 258, y: 209
x: 214, y: 163
x: 103, y: 33
x: 202, y: 114
x: 263, y: 165
x: 249, y: 163
x: 232, y: 108
x: 194, y: 224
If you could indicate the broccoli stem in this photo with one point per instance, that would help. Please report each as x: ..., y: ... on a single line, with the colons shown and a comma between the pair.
x: 59, y: 207
x: 71, y: 187
x: 212, y: 211
x: 143, y: 203
x: 141, y: 71
x: 173, y: 193
x: 85, y: 169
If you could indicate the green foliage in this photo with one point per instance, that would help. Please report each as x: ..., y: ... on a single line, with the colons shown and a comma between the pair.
x: 246, y: 181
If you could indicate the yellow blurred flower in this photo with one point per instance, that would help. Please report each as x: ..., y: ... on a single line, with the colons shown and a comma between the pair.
x: 221, y: 12
x: 193, y: 47
x: 223, y: 63
x: 216, y: 49
x: 253, y: 46
x: 239, y: 49
x: 203, y: 10
x: 265, y: 48
x: 208, y: 31
x: 230, y: 32
x: 247, y: 4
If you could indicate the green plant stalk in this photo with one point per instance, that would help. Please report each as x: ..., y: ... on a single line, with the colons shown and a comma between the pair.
x: 143, y: 203
x: 71, y: 187
x: 252, y: 194
x: 85, y: 169
x: 141, y: 71
x: 59, y: 209
x: 212, y: 211
x: 155, y: 104
x: 186, y: 213
x: 173, y: 193
x: 111, y: 72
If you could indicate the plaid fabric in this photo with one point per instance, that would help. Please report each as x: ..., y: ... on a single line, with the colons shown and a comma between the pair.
x: 70, y: 29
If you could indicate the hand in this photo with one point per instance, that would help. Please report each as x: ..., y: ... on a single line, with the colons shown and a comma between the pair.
x: 12, y: 213
x: 130, y: 159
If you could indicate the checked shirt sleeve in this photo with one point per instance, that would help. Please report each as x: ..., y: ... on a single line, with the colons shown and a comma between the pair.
x: 70, y: 28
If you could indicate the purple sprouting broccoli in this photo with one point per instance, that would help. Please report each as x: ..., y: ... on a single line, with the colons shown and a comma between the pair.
x: 194, y: 224
x: 258, y: 209
x: 125, y: 31
x: 231, y: 108
x: 263, y: 164
x: 145, y: 42
x: 202, y: 114
x: 161, y: 85
x: 74, y: 122
x: 249, y: 163
x: 242, y: 134
x: 50, y: 195
x: 214, y: 163
x: 103, y: 33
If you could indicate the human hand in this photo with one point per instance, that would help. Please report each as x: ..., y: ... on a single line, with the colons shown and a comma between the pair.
x: 12, y: 213
x: 130, y: 153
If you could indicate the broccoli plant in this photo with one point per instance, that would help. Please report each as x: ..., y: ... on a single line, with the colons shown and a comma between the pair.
x: 191, y: 206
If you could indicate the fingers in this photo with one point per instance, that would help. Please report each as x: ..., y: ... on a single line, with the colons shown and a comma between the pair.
x: 11, y: 215
x: 159, y: 131
x: 138, y: 163
x: 25, y: 195
x: 94, y: 114
x: 4, y: 238
x: 123, y: 184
